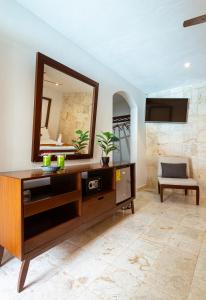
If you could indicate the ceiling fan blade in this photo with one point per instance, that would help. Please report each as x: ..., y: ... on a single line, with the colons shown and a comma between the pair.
x: 195, y: 21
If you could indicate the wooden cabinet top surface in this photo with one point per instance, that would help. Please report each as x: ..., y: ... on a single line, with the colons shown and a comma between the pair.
x: 38, y: 173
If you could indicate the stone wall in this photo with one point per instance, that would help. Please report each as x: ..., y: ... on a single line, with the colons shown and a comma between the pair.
x: 180, y: 139
x: 76, y: 114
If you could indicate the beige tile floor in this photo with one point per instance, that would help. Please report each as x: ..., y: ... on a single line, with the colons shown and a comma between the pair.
x: 157, y: 253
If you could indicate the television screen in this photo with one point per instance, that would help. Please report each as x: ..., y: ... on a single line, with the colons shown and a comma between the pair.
x: 166, y: 110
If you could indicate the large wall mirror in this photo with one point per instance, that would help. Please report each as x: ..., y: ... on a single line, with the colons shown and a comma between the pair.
x: 65, y: 101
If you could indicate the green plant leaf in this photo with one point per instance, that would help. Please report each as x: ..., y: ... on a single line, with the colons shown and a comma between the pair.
x: 115, y: 139
x: 78, y: 131
x: 81, y: 141
x: 107, y: 134
x: 106, y: 141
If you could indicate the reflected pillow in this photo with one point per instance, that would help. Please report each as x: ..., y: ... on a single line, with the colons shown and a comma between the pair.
x: 174, y: 170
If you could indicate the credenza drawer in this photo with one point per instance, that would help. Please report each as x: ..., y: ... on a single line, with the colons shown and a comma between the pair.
x: 97, y: 205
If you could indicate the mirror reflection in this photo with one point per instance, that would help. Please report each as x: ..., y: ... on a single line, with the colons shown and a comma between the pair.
x: 67, y: 105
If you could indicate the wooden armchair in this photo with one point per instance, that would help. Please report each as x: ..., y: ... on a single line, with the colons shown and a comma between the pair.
x: 176, y: 183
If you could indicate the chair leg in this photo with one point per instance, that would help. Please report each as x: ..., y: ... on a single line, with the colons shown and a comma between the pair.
x: 158, y: 188
x: 161, y: 193
x: 185, y: 192
x: 22, y: 275
x: 1, y: 254
x: 132, y: 206
x: 197, y: 196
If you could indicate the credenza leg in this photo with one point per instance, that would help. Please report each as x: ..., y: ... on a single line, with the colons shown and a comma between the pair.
x: 1, y: 254
x: 132, y: 206
x: 22, y: 275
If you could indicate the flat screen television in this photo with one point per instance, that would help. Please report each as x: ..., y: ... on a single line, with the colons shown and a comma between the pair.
x: 166, y: 110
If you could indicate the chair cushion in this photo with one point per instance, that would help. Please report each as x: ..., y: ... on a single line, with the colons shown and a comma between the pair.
x: 178, y: 181
x: 172, y: 160
x: 174, y: 170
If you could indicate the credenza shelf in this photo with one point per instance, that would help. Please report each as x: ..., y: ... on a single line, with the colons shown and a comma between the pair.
x: 50, y: 218
x: 49, y: 235
x: 45, y: 202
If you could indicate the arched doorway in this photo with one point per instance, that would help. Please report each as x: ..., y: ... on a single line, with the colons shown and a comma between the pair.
x: 121, y: 128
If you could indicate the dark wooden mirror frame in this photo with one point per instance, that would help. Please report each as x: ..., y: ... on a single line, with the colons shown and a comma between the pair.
x: 42, y: 60
x: 49, y: 100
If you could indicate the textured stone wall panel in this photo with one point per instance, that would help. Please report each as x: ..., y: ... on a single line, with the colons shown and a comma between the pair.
x: 180, y: 139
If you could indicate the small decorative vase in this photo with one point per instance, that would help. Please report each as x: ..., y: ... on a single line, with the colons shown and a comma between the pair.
x: 46, y: 160
x: 61, y: 161
x: 105, y: 161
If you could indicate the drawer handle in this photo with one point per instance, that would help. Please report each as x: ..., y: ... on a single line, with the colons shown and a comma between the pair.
x: 100, y: 198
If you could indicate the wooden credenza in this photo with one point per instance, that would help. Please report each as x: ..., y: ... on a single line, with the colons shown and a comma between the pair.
x: 39, y: 210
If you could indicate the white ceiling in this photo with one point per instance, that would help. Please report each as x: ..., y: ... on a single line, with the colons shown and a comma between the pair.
x: 67, y: 84
x: 142, y: 40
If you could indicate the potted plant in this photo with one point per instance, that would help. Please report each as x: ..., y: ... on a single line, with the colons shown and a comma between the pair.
x: 81, y: 141
x: 106, y: 141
